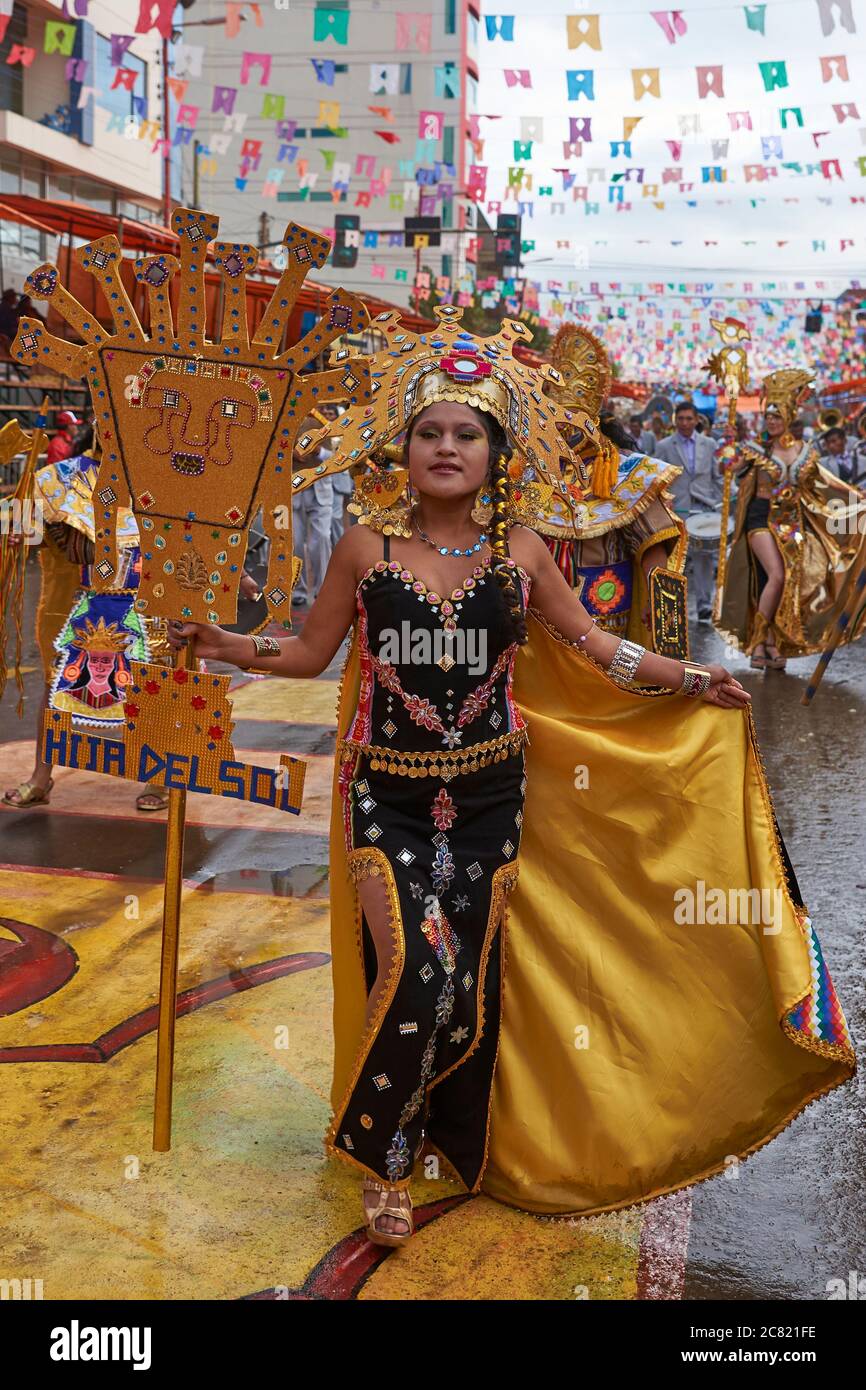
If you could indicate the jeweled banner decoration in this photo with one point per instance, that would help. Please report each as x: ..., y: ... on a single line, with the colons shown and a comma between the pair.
x: 177, y: 734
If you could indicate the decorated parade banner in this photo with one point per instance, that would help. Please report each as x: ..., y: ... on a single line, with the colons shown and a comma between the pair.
x: 177, y: 734
x: 196, y: 437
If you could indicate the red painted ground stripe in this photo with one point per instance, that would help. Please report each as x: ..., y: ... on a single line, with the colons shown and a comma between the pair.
x: 343, y: 1270
x: 139, y: 1025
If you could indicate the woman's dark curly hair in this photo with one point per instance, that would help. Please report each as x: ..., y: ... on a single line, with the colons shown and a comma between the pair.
x: 498, y: 486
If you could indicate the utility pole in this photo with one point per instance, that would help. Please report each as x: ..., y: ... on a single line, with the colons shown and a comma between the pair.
x: 264, y: 231
x: 166, y: 141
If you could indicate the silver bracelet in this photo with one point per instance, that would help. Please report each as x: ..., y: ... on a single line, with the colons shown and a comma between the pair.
x: 265, y: 646
x: 626, y: 659
x: 696, y: 681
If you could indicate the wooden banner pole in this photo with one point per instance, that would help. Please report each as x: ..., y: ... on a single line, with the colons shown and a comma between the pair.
x: 169, y: 956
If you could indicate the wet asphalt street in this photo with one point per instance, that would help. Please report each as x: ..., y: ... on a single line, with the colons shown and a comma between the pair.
x: 795, y: 1216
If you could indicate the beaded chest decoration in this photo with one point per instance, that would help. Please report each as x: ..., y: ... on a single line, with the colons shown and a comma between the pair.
x: 197, y: 435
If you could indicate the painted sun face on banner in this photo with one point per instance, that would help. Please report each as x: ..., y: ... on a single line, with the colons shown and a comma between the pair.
x: 198, y: 435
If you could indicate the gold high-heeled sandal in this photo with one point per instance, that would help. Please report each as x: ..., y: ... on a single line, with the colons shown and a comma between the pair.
x: 384, y: 1207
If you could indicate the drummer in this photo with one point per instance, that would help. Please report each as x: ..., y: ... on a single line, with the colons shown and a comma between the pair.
x: 697, y: 489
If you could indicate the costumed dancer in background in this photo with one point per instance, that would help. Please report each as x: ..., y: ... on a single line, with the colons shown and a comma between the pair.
x: 62, y: 491
x: 608, y: 543
x: 696, y: 488
x: 705, y: 1042
x: 797, y: 533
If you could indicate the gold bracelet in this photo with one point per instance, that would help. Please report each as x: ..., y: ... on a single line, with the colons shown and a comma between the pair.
x: 696, y: 680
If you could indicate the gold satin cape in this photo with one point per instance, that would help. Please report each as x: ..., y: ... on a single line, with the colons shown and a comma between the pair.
x: 689, y: 1059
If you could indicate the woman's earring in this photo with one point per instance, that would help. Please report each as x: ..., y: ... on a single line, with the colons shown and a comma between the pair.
x: 481, y: 508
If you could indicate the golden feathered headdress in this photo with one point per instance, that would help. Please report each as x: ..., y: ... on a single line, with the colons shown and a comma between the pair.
x: 451, y: 364
x: 585, y: 378
x: 783, y: 391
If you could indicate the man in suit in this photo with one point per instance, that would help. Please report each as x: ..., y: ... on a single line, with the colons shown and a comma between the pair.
x: 698, y: 488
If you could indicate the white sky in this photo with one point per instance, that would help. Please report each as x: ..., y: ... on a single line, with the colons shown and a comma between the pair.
x: 717, y: 34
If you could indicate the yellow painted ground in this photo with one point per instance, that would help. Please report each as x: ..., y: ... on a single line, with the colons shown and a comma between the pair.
x: 245, y: 1200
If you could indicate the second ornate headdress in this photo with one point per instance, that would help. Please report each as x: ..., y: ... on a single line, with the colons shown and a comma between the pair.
x: 782, y: 392
x: 585, y: 373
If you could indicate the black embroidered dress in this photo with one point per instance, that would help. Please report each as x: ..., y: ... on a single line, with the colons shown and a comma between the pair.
x: 432, y: 784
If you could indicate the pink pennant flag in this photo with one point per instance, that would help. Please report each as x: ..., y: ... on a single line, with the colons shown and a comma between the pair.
x: 671, y: 23
x: 20, y: 53
x: 256, y: 60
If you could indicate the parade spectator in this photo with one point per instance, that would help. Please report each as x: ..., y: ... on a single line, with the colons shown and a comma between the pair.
x: 27, y: 310
x: 9, y: 315
x: 698, y: 488
x: 646, y: 440
x: 62, y: 444
x: 837, y: 457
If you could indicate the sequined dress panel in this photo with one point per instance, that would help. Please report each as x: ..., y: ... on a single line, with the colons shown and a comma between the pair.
x: 443, y: 830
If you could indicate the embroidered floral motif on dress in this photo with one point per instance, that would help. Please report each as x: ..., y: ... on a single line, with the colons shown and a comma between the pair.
x: 443, y: 810
x: 421, y: 711
x: 398, y: 1157
x: 478, y: 699
x: 443, y: 868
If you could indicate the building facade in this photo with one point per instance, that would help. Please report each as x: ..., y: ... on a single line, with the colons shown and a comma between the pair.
x: 336, y: 111
x: 65, y: 132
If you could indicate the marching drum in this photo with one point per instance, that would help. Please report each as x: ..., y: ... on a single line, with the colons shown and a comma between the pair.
x: 704, y: 529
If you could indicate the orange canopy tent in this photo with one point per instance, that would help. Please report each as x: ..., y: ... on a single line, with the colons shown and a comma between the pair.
x: 77, y: 220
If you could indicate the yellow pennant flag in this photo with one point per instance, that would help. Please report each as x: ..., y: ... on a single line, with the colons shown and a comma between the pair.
x: 583, y: 29
x: 645, y: 81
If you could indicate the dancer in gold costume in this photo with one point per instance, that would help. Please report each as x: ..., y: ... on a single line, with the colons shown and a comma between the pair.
x: 797, y: 533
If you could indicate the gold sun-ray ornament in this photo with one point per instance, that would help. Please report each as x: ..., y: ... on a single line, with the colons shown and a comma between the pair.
x: 451, y: 364
x: 197, y: 435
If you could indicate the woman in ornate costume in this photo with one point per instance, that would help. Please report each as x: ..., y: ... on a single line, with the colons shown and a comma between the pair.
x: 628, y: 1046
x: 798, y: 529
x: 608, y: 543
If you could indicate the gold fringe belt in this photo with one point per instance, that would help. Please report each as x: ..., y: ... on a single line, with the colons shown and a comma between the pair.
x: 446, y: 762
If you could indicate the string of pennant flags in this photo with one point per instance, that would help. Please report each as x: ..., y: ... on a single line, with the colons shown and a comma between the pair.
x: 586, y: 29
x: 405, y: 171
x: 659, y: 339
